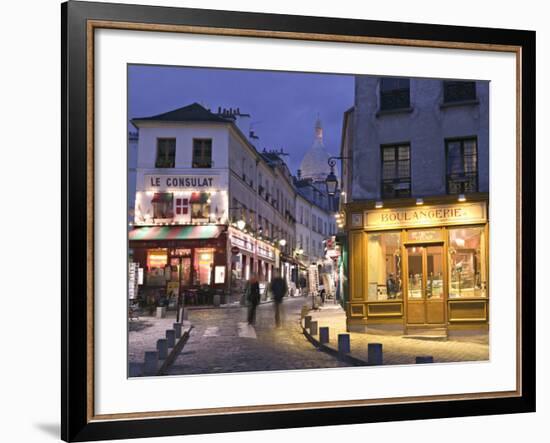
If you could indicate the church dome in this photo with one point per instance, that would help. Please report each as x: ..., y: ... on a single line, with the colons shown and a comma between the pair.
x: 315, y: 162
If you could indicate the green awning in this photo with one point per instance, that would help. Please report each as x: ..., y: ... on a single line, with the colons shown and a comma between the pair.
x: 175, y: 232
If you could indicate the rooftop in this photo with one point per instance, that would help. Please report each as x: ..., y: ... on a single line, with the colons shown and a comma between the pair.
x: 191, y: 113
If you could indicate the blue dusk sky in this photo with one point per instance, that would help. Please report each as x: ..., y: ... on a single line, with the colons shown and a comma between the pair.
x: 283, y: 105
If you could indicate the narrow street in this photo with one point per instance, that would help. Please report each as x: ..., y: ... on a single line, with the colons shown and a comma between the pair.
x: 222, y: 341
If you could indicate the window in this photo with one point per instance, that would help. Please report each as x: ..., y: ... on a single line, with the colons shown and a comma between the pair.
x: 202, y: 153
x: 204, y: 262
x: 384, y: 266
x: 166, y: 153
x: 182, y: 206
x: 468, y: 271
x: 394, y: 93
x: 396, y: 171
x: 163, y: 205
x: 461, y: 166
x: 200, y: 206
x: 456, y: 91
x: 157, y: 259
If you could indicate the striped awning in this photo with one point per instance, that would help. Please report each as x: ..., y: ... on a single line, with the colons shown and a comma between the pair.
x: 199, y: 197
x: 174, y: 233
x: 162, y: 197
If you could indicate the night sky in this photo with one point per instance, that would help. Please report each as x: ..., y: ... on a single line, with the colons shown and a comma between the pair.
x: 283, y: 106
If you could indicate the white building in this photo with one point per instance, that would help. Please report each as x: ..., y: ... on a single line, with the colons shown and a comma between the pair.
x: 209, y: 209
x: 315, y: 221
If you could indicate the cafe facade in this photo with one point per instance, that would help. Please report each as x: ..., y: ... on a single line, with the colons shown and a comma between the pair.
x: 419, y: 268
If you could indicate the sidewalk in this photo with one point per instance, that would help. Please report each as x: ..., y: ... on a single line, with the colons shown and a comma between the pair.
x: 143, y: 335
x: 399, y: 349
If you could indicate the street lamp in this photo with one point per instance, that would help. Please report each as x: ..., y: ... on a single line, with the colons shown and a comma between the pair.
x: 332, y: 181
x: 282, y: 242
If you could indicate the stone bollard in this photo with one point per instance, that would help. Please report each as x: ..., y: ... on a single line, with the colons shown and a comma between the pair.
x: 177, y: 328
x: 217, y: 300
x: 150, y: 366
x: 313, y: 327
x: 307, y: 321
x: 161, y: 312
x: 374, y: 353
x: 162, y: 348
x: 324, y: 334
x: 424, y: 359
x: 171, y: 338
x: 343, y: 344
x: 185, y: 314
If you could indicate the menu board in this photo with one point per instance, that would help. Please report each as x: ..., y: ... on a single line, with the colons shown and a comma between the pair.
x: 133, y: 279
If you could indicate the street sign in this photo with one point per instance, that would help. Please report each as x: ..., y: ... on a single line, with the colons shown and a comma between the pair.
x: 235, y: 250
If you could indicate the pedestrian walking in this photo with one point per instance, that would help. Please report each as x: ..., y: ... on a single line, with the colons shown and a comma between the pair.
x: 279, y: 289
x: 252, y: 298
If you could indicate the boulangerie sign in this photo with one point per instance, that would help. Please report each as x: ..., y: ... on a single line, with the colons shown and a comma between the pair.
x: 412, y: 217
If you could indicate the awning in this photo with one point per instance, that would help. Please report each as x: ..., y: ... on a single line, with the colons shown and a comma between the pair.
x: 175, y: 232
x: 162, y: 197
x: 198, y: 197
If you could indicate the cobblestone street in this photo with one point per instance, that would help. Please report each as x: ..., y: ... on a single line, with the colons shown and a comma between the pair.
x: 222, y: 341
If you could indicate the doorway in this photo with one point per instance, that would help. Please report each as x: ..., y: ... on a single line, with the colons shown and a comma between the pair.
x: 425, y: 285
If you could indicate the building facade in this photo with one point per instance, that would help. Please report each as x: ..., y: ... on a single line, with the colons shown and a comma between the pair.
x: 416, y: 183
x: 210, y: 209
x: 315, y: 221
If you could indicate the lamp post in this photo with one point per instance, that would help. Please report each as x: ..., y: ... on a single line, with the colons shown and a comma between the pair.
x: 332, y: 181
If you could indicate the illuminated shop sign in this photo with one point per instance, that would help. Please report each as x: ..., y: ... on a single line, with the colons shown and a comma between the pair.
x: 455, y: 214
x: 181, y: 182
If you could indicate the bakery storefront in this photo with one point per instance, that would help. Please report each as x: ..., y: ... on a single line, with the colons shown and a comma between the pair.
x: 419, y: 267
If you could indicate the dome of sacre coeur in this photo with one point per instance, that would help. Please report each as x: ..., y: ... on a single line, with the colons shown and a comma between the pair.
x: 315, y: 162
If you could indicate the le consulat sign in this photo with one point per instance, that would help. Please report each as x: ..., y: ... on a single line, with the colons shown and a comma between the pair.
x: 165, y: 182
x: 410, y: 217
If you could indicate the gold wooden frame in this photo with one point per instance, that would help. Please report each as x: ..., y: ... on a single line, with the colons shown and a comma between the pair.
x: 92, y: 25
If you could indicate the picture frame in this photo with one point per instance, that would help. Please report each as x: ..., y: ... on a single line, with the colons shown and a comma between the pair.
x: 80, y: 20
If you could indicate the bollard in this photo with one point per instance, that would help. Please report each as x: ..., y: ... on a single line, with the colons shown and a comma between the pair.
x: 161, y: 312
x: 313, y: 327
x: 424, y: 359
x: 162, y: 348
x: 323, y: 334
x: 343, y: 344
x: 151, y: 363
x: 374, y: 353
x: 171, y: 338
x: 217, y: 300
x: 307, y: 321
x: 177, y: 328
x: 185, y: 314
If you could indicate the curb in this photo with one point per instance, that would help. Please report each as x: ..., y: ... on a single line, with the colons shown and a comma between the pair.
x: 175, y: 351
x: 346, y: 358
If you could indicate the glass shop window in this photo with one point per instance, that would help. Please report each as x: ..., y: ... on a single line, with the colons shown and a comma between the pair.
x: 468, y: 268
x: 157, y: 259
x: 204, y: 261
x: 384, y: 266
